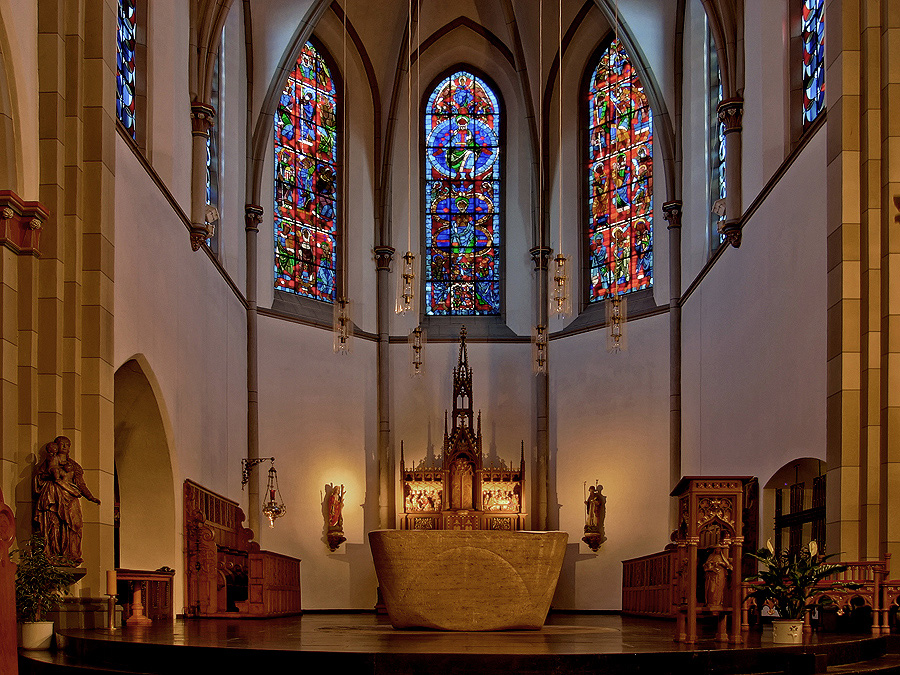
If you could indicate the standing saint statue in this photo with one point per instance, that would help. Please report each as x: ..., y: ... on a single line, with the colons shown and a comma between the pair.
x: 714, y: 570
x: 594, y: 518
x: 334, y: 517
x: 58, y: 485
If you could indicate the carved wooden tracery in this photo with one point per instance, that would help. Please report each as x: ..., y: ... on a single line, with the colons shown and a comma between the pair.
x: 456, y: 491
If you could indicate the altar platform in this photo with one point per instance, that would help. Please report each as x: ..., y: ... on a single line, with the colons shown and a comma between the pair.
x: 366, y: 643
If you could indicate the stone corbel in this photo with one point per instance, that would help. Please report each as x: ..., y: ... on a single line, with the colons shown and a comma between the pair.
x: 731, y: 230
x: 21, y: 223
x: 541, y: 257
x: 383, y: 257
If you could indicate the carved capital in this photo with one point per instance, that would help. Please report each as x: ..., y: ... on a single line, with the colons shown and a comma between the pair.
x: 253, y: 214
x: 731, y: 114
x: 383, y: 257
x: 541, y: 257
x: 202, y: 118
x: 21, y: 223
x: 672, y: 213
x: 731, y: 230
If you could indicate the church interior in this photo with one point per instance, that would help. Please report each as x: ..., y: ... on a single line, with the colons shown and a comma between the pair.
x: 281, y: 273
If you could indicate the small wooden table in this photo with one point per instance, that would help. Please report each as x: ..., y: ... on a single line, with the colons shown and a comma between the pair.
x: 138, y: 579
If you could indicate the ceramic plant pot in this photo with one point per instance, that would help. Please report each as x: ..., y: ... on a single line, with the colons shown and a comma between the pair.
x: 787, y: 631
x: 35, y: 634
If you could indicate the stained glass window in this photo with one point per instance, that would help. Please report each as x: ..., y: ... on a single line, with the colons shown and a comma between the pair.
x: 306, y: 180
x: 813, y: 37
x: 620, y: 178
x: 717, y: 189
x: 125, y: 65
x: 462, y: 198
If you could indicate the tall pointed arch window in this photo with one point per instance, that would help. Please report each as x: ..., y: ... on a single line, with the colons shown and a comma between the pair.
x: 812, y: 34
x: 716, y: 142
x: 619, y: 178
x: 126, y: 47
x: 306, y: 221
x: 462, y: 197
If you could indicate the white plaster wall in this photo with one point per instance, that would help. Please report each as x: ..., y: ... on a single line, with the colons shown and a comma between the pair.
x: 754, y: 337
x: 610, y: 423
x: 168, y: 96
x: 318, y: 418
x: 766, y: 133
x: 174, y: 308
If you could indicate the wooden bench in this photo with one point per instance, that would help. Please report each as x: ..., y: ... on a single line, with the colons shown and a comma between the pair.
x: 226, y: 573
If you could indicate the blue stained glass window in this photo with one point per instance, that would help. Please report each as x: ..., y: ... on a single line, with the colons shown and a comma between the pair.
x: 620, y: 178
x: 462, y: 198
x: 717, y: 187
x: 125, y: 61
x: 306, y: 180
x: 813, y: 36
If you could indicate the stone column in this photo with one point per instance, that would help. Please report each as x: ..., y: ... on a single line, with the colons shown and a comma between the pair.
x: 540, y: 517
x: 672, y: 214
x: 252, y: 218
x: 385, y: 460
x: 202, y: 118
x: 731, y: 113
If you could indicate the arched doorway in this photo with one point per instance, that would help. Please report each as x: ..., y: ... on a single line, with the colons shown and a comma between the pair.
x: 794, y: 504
x: 147, y: 534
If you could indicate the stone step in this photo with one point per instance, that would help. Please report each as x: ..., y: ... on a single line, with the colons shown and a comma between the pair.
x: 889, y: 664
x: 58, y: 663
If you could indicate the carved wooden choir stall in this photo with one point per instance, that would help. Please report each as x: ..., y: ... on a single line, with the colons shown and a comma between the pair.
x: 227, y: 575
x: 458, y: 492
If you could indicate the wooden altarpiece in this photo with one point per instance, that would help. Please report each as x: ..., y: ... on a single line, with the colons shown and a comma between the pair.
x: 711, y: 516
x: 459, y: 492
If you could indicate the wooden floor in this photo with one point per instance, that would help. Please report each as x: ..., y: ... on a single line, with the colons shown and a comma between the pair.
x: 562, y: 634
x: 366, y: 643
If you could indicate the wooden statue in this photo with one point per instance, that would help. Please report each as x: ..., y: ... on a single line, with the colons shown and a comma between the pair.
x: 58, y: 485
x: 715, y: 569
x: 594, y: 518
x: 334, y: 512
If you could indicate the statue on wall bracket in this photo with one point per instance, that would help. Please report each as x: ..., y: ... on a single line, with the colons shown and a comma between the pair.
x: 594, y: 517
x: 58, y: 486
x: 333, y: 506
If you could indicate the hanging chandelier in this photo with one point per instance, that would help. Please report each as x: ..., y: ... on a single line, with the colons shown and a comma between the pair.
x: 560, y: 299
x: 343, y: 326
x: 274, y: 505
x: 616, y: 317
x: 416, y: 349
x: 539, y: 349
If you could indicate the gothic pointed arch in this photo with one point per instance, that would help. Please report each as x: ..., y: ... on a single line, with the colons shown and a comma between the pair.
x: 463, y: 194
x: 306, y: 209
x: 618, y: 147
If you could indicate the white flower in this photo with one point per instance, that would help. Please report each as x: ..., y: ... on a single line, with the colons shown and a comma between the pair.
x: 813, y: 548
x: 770, y: 547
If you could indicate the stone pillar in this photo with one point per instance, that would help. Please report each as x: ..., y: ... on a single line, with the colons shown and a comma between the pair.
x: 672, y: 214
x: 252, y: 218
x: 890, y: 278
x: 844, y: 279
x: 731, y: 113
x: 540, y: 518
x: 202, y: 118
x: 387, y: 477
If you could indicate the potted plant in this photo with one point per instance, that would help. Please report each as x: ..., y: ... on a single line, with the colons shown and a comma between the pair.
x: 40, y: 583
x: 789, y: 580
